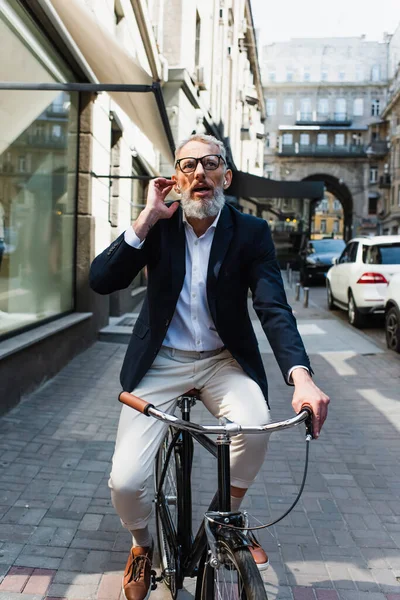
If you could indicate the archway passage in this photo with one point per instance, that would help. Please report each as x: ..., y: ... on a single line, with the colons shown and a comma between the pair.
x: 342, y: 193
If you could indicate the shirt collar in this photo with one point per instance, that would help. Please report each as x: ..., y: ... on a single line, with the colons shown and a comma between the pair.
x: 212, y: 226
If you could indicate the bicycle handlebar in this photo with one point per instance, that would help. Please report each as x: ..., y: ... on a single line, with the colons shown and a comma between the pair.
x: 225, y: 426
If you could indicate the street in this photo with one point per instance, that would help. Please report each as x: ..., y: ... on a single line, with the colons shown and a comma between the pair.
x: 60, y: 537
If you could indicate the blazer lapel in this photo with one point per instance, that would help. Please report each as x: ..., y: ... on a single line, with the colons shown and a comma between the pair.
x: 222, y: 239
x: 177, y: 248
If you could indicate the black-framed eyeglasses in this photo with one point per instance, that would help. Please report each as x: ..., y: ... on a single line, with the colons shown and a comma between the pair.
x: 209, y: 162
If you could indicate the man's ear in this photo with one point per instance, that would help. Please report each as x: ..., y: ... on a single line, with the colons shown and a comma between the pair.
x: 227, y: 178
x: 176, y: 186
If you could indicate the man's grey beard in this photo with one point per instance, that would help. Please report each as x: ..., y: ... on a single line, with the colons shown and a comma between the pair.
x: 200, y: 209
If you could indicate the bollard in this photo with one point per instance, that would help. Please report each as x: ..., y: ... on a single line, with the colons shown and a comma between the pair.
x: 287, y: 271
x: 297, y: 297
x: 290, y: 277
x: 306, y: 296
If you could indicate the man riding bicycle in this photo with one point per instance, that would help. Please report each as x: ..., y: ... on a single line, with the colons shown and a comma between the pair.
x: 194, y: 331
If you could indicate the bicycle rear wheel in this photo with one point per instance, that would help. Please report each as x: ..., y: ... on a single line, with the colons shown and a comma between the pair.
x: 166, y: 480
x: 236, y: 578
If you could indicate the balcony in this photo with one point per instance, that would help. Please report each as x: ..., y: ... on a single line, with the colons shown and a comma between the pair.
x: 378, y: 149
x: 46, y: 141
x: 385, y: 181
x: 314, y: 118
x: 329, y: 151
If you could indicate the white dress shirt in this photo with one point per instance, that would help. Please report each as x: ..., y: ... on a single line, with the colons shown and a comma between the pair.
x: 192, y: 327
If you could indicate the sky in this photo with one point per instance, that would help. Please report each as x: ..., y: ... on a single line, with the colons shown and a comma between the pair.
x: 282, y: 20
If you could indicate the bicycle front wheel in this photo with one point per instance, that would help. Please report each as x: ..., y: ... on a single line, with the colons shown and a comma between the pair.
x: 236, y: 578
x: 167, y: 483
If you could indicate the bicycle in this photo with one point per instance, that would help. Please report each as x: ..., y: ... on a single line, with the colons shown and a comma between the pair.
x: 219, y: 553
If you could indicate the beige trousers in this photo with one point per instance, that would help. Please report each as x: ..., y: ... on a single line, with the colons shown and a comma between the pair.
x: 225, y: 390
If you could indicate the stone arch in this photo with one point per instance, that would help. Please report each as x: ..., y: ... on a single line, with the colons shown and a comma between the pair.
x: 343, y: 194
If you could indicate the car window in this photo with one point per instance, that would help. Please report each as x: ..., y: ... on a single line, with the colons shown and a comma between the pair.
x: 345, y: 256
x: 353, y: 252
x: 382, y: 254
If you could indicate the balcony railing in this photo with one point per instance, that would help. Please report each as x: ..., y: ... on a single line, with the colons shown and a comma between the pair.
x: 378, y: 148
x: 315, y: 118
x: 47, y: 141
x: 352, y: 150
x: 385, y: 181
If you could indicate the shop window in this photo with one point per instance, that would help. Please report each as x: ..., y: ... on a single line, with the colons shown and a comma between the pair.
x: 37, y: 201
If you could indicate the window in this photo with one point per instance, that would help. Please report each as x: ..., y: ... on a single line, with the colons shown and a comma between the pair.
x: 381, y: 254
x: 375, y: 107
x: 306, y: 74
x: 272, y: 140
x: 322, y: 139
x: 373, y: 174
x: 289, y: 75
x: 305, y: 108
x: 288, y: 107
x: 21, y: 165
x: 272, y: 76
x: 37, y: 213
x: 359, y: 73
x: 358, y: 107
x: 268, y: 172
x: 341, y: 75
x: 336, y: 226
x: 56, y: 131
x: 324, y: 75
x: 271, y: 107
x: 349, y: 254
x: 357, y: 139
x: 372, y: 202
x: 323, y: 225
x: 197, y: 45
x: 340, y: 109
x: 376, y: 73
x: 304, y: 139
x: 323, y: 106
x: 337, y: 205
x: 287, y: 139
x: 339, y: 139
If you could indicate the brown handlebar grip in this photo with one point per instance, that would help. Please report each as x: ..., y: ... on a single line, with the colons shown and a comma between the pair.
x: 135, y: 402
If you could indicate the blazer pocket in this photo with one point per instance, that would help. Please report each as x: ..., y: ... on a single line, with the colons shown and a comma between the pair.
x: 140, y: 329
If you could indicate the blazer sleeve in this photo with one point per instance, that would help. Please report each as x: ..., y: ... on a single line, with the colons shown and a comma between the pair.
x: 272, y: 308
x: 116, y: 267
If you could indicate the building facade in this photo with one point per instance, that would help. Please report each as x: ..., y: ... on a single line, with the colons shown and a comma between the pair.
x: 324, y: 99
x: 75, y: 165
x: 388, y: 205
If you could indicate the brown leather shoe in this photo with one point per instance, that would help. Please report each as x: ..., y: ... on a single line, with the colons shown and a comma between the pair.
x: 259, y: 554
x: 137, y: 576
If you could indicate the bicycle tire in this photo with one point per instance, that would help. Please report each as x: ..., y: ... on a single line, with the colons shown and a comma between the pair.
x: 237, y: 579
x: 166, y: 507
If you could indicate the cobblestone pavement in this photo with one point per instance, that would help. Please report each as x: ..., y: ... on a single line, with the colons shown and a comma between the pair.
x: 60, y: 538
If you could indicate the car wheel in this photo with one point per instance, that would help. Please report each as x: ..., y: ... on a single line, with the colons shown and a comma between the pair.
x: 392, y: 329
x: 329, y: 296
x: 353, y: 314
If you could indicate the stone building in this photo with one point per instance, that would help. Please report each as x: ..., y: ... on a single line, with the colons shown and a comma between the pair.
x: 324, y: 99
x: 388, y: 206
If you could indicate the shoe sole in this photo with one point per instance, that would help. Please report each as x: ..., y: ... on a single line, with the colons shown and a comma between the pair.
x: 145, y: 598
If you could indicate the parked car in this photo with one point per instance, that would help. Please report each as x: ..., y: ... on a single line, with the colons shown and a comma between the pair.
x: 358, y: 280
x: 316, y: 258
x: 392, y: 314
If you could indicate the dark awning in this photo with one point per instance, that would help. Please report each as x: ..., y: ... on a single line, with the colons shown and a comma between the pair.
x: 245, y: 185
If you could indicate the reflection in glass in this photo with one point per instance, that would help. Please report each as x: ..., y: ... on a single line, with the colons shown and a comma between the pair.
x: 38, y: 141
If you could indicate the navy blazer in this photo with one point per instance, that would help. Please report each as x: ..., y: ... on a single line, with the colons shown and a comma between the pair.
x: 242, y: 257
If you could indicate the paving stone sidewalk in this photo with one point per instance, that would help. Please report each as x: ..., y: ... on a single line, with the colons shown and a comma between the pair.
x: 60, y: 538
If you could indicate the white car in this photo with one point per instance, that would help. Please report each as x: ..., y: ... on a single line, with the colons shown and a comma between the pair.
x: 392, y: 314
x: 358, y: 280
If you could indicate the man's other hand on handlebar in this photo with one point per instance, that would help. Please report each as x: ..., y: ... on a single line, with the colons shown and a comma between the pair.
x: 307, y: 394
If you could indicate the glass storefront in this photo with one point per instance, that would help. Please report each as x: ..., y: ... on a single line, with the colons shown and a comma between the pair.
x: 38, y: 165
